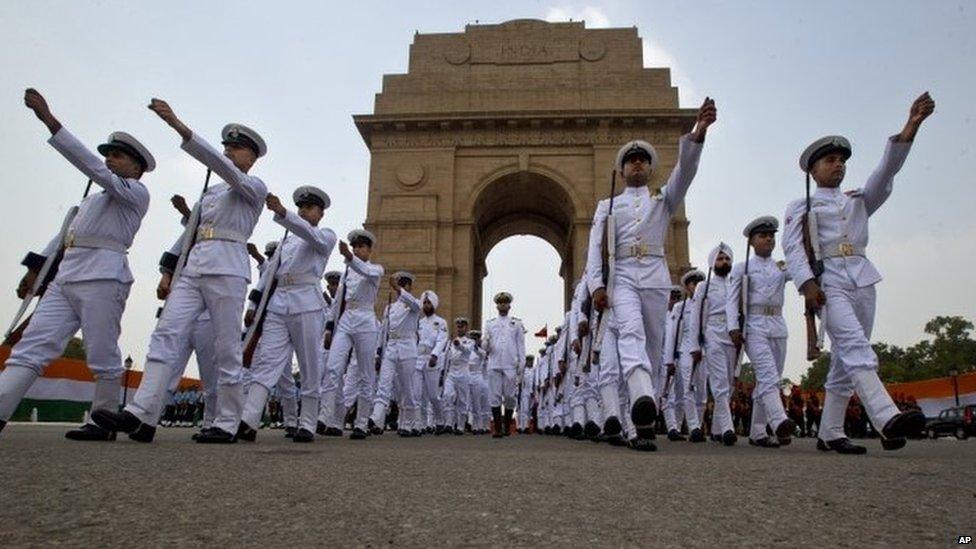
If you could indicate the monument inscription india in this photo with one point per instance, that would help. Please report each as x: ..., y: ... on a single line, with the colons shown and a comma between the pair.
x: 505, y: 130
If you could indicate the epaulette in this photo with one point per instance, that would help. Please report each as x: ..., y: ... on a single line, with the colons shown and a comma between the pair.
x: 853, y: 193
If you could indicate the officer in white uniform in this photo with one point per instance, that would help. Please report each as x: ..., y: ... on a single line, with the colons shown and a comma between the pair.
x: 642, y: 279
x: 525, y: 400
x: 586, y: 399
x: 294, y: 320
x: 504, y: 341
x: 765, y: 338
x: 93, y: 280
x: 711, y: 346
x: 330, y: 294
x: 674, y: 411
x: 457, y: 361
x: 693, y: 379
x: 399, y: 336
x: 431, y: 342
x: 478, y: 386
x: 352, y: 329
x: 214, y: 279
x: 844, y: 292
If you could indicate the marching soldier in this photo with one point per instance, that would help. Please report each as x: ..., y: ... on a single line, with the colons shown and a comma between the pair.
x: 504, y: 342
x: 842, y: 287
x: 214, y: 279
x: 93, y: 279
x: 710, y: 346
x: 329, y: 296
x: 478, y: 382
x: 352, y: 329
x: 673, y: 394
x: 431, y: 340
x: 765, y: 338
x: 642, y: 279
x: 456, y: 395
x: 399, y: 353
x: 693, y: 380
x: 294, y: 320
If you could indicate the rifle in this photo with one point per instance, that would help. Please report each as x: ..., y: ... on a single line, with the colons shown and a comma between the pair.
x: 811, y: 245
x: 386, y: 336
x: 253, y: 333
x: 47, y: 271
x: 190, y: 233
x: 743, y: 313
x: 607, y: 268
x: 674, y: 350
x: 701, y: 327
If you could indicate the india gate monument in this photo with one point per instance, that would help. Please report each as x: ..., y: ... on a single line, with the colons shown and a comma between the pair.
x: 510, y: 129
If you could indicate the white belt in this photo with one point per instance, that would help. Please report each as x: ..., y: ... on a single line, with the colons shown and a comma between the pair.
x: 402, y: 337
x: 640, y: 250
x: 356, y: 305
x: 297, y: 279
x: 765, y: 310
x: 841, y: 249
x: 84, y: 241
x: 209, y: 232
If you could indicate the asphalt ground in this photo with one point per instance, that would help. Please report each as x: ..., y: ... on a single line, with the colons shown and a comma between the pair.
x: 526, y: 490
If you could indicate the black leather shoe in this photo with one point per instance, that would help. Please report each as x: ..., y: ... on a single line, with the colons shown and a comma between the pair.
x: 216, y: 435
x: 591, y: 430
x: 728, y: 438
x: 576, y: 432
x: 290, y: 432
x: 612, y: 427
x: 403, y: 433
x: 303, y: 435
x: 332, y: 432
x: 784, y: 431
x: 439, y: 430
x: 556, y: 430
x: 764, y: 442
x: 893, y: 443
x: 841, y: 446
x: 373, y: 428
x: 458, y: 432
x: 641, y: 445
x: 675, y: 436
x: 644, y: 413
x: 2, y: 425
x: 416, y: 432
x: 126, y: 422
x: 357, y: 434
x: 90, y: 432
x: 696, y: 436
x: 904, y: 425
x: 246, y: 433
x: 320, y: 428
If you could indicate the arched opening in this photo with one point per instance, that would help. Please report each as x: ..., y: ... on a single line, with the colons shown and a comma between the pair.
x: 528, y: 268
x: 528, y: 204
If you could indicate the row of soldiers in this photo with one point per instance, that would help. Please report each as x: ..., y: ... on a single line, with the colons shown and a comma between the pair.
x: 647, y: 350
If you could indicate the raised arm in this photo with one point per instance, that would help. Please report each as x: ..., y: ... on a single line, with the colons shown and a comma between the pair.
x: 689, y: 152
x: 321, y: 240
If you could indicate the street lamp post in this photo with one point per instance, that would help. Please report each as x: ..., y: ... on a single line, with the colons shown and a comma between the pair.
x: 125, y: 382
x: 955, y: 383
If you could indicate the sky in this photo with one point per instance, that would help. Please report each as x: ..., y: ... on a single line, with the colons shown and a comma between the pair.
x: 782, y: 74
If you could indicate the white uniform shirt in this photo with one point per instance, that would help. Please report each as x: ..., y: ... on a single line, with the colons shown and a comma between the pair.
x: 642, y: 219
x: 304, y: 252
x: 715, y: 324
x: 233, y: 205
x: 458, y: 354
x: 683, y: 309
x: 362, y: 283
x: 114, y: 214
x: 431, y: 335
x: 504, y: 340
x: 767, y: 281
x: 404, y: 318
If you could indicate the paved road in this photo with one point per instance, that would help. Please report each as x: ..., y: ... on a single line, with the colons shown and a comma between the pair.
x: 523, y: 491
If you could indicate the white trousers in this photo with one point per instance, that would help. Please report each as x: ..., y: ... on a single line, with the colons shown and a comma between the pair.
x: 694, y: 380
x: 456, y: 397
x: 223, y: 297
x: 429, y: 391
x: 768, y: 357
x: 363, y: 345
x: 502, y: 384
x: 719, y: 361
x: 399, y: 361
x: 639, y: 316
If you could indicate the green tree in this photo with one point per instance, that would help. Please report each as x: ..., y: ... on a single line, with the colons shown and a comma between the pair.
x: 816, y: 374
x: 75, y: 349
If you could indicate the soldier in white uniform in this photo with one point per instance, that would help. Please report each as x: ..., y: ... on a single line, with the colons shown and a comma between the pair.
x: 524, y: 417
x: 431, y: 341
x: 399, y: 359
x: 711, y: 347
x: 93, y: 280
x: 457, y: 361
x: 842, y: 289
x: 504, y: 341
x: 478, y: 383
x: 214, y: 279
x: 674, y: 393
x: 642, y: 279
x: 352, y: 327
x: 294, y: 320
x: 693, y: 379
x: 329, y: 296
x: 585, y: 396
x: 765, y: 338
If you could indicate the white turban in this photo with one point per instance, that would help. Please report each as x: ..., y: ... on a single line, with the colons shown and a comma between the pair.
x: 721, y: 248
x: 431, y: 296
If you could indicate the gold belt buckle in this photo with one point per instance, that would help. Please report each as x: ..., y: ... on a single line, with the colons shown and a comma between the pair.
x: 207, y: 233
x: 638, y: 250
x: 70, y: 241
x: 846, y: 249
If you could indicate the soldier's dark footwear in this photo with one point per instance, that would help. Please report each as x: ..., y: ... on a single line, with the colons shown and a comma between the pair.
x: 439, y: 430
x: 764, y: 442
x: 591, y: 430
x: 416, y: 433
x: 784, y: 431
x: 124, y: 421
x: 641, y: 445
x: 696, y: 436
x: 246, y: 433
x: 216, y: 435
x: 303, y: 435
x: 556, y: 429
x: 332, y: 432
x: 576, y: 432
x: 612, y: 427
x: 321, y: 428
x: 675, y: 436
x: 2, y: 425
x: 373, y: 428
x: 841, y: 446
x: 507, y: 423
x: 357, y: 434
x: 458, y: 432
x: 644, y: 413
x: 728, y: 438
x: 403, y: 433
x: 893, y: 443
x: 904, y: 424
x: 90, y: 432
x: 615, y: 440
x: 290, y: 431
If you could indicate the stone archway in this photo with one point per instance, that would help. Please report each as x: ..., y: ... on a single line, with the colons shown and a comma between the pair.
x: 509, y: 129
